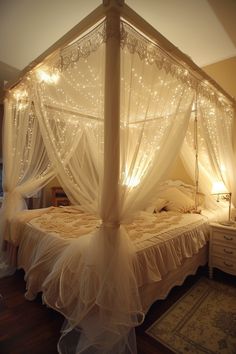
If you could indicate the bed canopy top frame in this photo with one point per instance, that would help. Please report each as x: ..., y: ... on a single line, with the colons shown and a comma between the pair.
x: 112, y: 303
x: 124, y: 11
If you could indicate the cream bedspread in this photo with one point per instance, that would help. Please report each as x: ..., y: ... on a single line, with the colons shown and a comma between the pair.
x: 162, y: 241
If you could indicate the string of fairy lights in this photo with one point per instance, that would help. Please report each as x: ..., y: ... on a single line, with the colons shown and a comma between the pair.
x: 151, y: 87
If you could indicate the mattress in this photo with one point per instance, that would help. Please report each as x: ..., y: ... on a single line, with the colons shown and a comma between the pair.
x: 163, y: 242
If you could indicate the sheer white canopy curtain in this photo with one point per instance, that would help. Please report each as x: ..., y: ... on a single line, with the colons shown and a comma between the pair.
x: 26, y: 164
x: 71, y: 118
x: 216, y: 123
x: 108, y: 115
x: 211, y: 138
x: 156, y: 102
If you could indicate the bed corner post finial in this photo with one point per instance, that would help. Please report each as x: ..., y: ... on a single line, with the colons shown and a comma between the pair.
x: 113, y: 2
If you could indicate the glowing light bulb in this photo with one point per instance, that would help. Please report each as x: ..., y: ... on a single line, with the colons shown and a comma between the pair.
x: 20, y: 94
x: 218, y: 187
x: 47, y: 77
x: 132, y: 181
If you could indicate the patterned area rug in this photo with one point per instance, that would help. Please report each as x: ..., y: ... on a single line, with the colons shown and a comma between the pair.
x: 202, y: 321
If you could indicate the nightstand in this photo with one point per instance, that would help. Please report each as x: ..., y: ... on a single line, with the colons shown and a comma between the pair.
x: 59, y: 197
x: 222, y: 249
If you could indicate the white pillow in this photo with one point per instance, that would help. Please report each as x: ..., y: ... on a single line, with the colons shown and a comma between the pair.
x: 177, y: 200
x: 160, y: 204
x: 150, y: 208
x: 190, y: 192
x: 156, y: 206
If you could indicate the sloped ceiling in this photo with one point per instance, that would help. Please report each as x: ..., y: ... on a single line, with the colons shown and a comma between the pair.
x: 205, y: 30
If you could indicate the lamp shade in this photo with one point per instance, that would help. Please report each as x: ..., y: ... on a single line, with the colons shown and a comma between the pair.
x: 218, y: 187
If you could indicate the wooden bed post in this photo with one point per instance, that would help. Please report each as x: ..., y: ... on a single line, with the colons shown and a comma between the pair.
x: 110, y: 193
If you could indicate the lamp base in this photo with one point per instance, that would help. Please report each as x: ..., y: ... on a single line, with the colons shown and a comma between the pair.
x: 228, y: 223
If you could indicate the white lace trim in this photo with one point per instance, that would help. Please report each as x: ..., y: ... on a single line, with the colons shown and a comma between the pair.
x: 147, y: 50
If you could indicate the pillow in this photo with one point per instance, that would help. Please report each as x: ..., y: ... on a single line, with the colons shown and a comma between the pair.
x: 160, y: 204
x: 189, y: 191
x: 177, y: 200
x: 150, y: 208
x: 156, y: 206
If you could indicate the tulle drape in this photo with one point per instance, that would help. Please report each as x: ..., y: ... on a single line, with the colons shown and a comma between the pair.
x: 26, y: 165
x: 70, y: 114
x: 155, y: 111
x: 216, y: 120
x: 213, y: 134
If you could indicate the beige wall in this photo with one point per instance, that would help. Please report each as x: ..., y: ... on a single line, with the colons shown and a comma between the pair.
x: 224, y: 73
x: 1, y: 120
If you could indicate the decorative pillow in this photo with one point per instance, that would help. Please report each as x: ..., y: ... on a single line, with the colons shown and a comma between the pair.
x: 177, y: 200
x: 156, y: 206
x: 150, y: 208
x: 189, y: 191
x: 160, y: 204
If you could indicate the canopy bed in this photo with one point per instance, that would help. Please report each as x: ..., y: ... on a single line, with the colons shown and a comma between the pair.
x: 107, y: 110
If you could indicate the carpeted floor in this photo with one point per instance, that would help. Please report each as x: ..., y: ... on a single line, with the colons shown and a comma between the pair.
x: 202, y: 321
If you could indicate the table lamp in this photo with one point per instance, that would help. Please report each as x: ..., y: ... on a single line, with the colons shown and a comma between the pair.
x: 219, y: 189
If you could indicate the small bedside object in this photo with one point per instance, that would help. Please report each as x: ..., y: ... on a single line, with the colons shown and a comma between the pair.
x: 219, y: 189
x: 222, y: 249
x: 59, y: 197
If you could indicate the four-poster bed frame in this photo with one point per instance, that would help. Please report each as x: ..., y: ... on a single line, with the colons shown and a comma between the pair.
x: 188, y: 243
